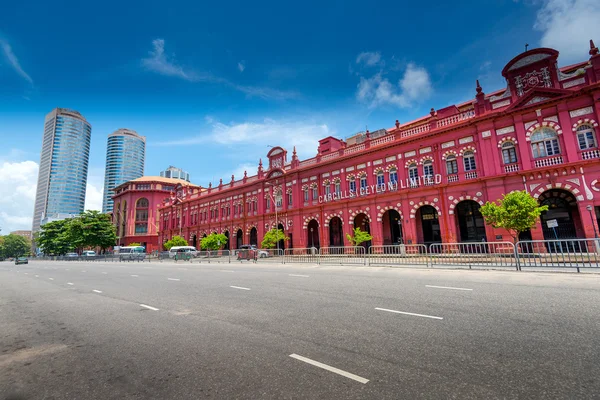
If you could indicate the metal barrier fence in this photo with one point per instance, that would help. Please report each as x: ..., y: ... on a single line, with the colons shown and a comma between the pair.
x: 308, y: 255
x: 343, y: 255
x: 571, y: 253
x: 403, y: 254
x: 477, y: 254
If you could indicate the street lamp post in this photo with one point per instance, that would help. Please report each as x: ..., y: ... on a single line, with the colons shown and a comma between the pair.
x: 589, y: 208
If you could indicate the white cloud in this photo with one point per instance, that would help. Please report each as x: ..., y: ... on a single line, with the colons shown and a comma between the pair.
x: 13, y: 60
x: 567, y: 26
x: 369, y: 58
x: 258, y: 135
x: 377, y: 90
x: 94, y: 189
x: 162, y: 64
x: 18, y: 184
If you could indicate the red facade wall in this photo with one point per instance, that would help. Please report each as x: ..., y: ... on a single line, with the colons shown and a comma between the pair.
x: 538, y: 98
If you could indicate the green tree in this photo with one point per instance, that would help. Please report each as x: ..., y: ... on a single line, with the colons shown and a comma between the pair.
x: 358, y: 237
x: 516, y: 212
x: 175, y: 241
x: 214, y: 241
x: 15, y: 246
x: 91, y: 229
x: 54, y: 238
x: 273, y: 237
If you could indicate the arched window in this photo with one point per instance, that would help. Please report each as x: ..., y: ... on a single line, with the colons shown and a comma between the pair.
x: 327, y: 189
x: 428, y: 169
x: 413, y: 172
x: 509, y: 153
x: 469, y: 161
x: 363, y: 182
x: 352, y: 184
x: 141, y: 216
x: 306, y: 195
x: 586, y: 137
x: 451, y: 165
x: 337, y: 187
x: 544, y: 142
x: 380, y: 179
x: 315, y: 192
x: 393, y: 175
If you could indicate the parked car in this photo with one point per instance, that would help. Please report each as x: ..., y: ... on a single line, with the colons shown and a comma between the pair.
x: 21, y: 260
x: 132, y: 253
x: 260, y: 254
x: 89, y: 253
x: 181, y: 250
x: 72, y: 255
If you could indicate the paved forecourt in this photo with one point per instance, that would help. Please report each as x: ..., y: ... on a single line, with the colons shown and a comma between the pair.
x: 243, y: 330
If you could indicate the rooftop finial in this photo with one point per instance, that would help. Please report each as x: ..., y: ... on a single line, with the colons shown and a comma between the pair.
x: 245, y: 174
x: 593, y: 48
x: 432, y: 112
x: 526, y: 46
x: 294, y: 152
x: 479, y: 89
x: 397, y: 124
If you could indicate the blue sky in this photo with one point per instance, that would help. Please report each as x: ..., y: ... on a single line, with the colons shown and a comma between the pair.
x: 212, y: 84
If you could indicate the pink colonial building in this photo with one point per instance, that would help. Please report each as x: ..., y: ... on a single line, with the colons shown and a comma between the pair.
x: 136, y: 206
x: 424, y: 181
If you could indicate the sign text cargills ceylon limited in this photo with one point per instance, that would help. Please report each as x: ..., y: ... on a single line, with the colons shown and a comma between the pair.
x: 376, y: 189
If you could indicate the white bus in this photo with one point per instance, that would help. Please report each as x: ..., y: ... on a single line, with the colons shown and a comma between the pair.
x: 182, y: 250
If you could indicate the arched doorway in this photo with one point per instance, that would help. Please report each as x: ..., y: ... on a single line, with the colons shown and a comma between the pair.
x: 281, y: 245
x: 392, y: 228
x: 471, y: 226
x: 428, y: 225
x: 335, y: 232
x: 194, y: 241
x: 362, y: 221
x: 562, y: 207
x: 312, y: 230
x: 253, y: 236
x: 227, y: 246
x: 203, y: 236
x: 239, y: 238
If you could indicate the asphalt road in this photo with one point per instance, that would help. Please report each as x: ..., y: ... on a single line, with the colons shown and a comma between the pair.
x: 83, y: 330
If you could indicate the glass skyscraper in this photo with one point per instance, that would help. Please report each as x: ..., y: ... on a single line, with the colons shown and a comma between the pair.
x: 62, y: 177
x: 125, y: 155
x: 175, y: 173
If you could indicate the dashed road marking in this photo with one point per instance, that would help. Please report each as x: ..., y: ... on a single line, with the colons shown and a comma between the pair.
x: 37, y: 276
x: 105, y: 273
x: 149, y: 307
x: 239, y: 287
x: 226, y: 270
x: 70, y: 283
x: 172, y: 279
x: 298, y: 275
x: 330, y: 368
x: 51, y: 279
x: 447, y: 287
x: 135, y: 276
x: 408, y: 313
x: 97, y: 291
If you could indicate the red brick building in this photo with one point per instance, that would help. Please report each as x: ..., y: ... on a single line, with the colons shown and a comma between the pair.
x: 136, y: 205
x: 424, y: 181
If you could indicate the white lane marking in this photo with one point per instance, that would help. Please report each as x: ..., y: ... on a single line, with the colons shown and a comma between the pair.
x: 331, y: 369
x: 147, y: 267
x: 447, y: 287
x: 226, y: 270
x: 239, y: 287
x: 149, y: 307
x: 70, y: 283
x: 83, y: 271
x: 51, y: 279
x: 105, y: 273
x: 97, y: 291
x: 37, y: 276
x: 408, y: 313
x: 66, y: 269
x: 185, y: 269
x: 26, y: 273
x: 172, y: 279
x: 301, y: 276
x: 135, y: 276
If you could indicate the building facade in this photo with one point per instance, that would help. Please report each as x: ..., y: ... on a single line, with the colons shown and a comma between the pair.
x: 125, y: 156
x: 175, y: 173
x: 26, y: 234
x: 424, y: 181
x: 62, y: 177
x: 136, y: 205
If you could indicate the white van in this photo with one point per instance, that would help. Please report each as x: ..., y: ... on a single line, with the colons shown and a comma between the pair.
x: 182, y: 250
x: 132, y: 253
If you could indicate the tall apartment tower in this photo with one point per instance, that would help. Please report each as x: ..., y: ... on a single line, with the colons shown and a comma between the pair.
x: 62, y: 177
x: 175, y: 173
x: 125, y: 155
